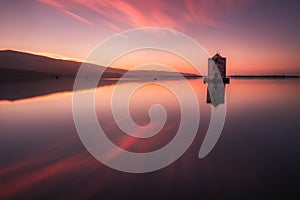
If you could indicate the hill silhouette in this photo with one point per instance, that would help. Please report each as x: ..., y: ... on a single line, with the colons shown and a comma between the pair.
x: 25, y: 61
x: 12, y: 61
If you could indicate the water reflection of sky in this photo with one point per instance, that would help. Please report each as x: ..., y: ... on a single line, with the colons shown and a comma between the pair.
x: 257, y: 155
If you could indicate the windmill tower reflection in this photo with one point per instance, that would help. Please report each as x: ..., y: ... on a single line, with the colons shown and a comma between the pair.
x: 215, y: 93
x: 216, y: 80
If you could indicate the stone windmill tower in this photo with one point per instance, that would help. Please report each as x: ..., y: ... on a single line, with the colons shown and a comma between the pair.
x: 217, y: 69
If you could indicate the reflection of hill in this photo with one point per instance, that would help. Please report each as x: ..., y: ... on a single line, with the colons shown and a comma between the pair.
x: 20, y: 74
x: 26, y: 89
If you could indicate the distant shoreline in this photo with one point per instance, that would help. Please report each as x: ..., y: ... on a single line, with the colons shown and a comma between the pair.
x: 252, y: 76
x: 27, y: 75
x: 263, y: 76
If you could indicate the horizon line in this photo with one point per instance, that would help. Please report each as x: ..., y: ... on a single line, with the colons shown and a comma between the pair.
x: 64, y: 58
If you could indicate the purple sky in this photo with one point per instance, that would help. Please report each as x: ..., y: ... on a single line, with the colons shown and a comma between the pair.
x: 257, y: 37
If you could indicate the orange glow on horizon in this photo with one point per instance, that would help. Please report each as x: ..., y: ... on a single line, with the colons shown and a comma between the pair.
x: 153, y: 58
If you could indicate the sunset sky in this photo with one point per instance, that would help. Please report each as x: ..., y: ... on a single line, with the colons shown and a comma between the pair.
x: 256, y: 36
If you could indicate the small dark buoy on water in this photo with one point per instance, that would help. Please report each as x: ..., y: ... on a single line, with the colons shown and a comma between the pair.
x: 56, y: 76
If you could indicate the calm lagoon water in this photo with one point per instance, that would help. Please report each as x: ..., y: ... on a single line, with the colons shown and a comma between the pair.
x: 256, y: 157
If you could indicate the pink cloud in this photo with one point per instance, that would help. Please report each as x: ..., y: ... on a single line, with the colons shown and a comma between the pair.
x: 53, y: 3
x: 211, y: 12
x: 64, y: 9
x: 119, y: 14
x: 77, y: 17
